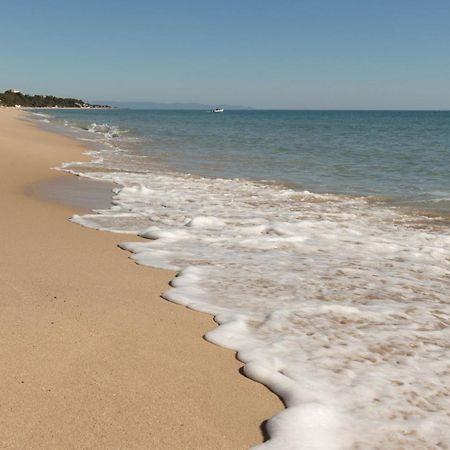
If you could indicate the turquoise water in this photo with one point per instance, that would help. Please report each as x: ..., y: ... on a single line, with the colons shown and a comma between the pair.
x: 402, y: 156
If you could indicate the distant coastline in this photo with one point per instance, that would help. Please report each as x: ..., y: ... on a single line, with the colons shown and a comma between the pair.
x: 177, y: 105
x: 14, y: 98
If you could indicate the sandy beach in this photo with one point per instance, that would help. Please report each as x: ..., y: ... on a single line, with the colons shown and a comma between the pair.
x: 91, y: 357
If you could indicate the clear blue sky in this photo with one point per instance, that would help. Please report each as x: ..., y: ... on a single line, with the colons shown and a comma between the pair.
x: 284, y: 54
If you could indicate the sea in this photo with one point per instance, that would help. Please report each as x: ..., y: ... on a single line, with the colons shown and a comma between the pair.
x: 320, y: 242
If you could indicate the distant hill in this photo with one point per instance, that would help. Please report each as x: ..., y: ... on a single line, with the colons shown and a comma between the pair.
x: 13, y: 98
x: 156, y: 105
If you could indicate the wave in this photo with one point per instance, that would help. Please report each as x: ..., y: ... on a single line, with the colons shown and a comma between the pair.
x: 108, y: 131
x: 47, y: 116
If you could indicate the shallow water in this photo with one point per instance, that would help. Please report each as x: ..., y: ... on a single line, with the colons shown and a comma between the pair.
x: 336, y: 301
x: 403, y: 156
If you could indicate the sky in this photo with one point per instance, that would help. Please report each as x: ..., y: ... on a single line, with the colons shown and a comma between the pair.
x: 321, y: 54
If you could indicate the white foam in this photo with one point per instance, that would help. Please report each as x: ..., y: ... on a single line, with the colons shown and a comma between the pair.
x: 337, y: 305
x: 108, y: 131
x: 46, y: 116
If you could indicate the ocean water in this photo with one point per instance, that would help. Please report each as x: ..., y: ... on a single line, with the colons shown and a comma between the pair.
x: 319, y: 240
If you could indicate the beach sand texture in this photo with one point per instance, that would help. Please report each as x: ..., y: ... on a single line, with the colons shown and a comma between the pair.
x: 91, y: 357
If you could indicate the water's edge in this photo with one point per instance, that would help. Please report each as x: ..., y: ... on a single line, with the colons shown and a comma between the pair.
x: 337, y: 303
x: 57, y: 191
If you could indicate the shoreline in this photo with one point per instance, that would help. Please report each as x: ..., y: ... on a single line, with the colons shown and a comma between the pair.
x: 90, y: 360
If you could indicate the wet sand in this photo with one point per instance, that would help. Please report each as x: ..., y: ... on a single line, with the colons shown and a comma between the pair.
x: 74, y: 191
x: 91, y: 356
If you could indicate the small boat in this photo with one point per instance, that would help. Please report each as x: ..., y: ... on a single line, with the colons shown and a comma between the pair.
x: 217, y: 110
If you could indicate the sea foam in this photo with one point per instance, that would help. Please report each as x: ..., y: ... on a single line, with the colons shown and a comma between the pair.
x: 337, y: 304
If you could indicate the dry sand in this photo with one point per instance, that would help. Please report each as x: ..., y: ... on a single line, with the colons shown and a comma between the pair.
x: 91, y: 357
